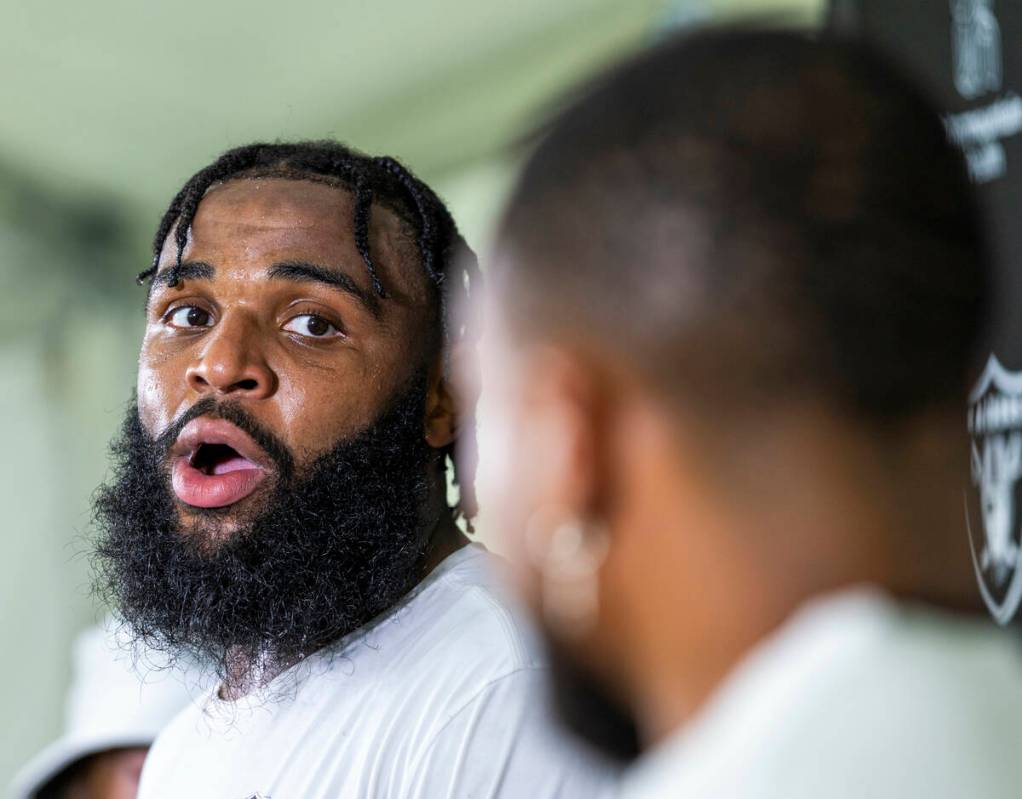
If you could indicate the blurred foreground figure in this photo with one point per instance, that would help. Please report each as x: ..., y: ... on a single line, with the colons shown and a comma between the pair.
x: 279, y: 503
x: 117, y: 704
x: 737, y: 292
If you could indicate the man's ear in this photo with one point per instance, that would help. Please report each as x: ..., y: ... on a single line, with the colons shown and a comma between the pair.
x: 443, y: 406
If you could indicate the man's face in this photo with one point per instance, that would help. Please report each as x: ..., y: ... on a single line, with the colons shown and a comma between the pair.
x: 275, y: 313
x: 280, y: 479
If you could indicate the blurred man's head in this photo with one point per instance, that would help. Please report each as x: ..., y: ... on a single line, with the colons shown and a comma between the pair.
x: 111, y: 774
x: 119, y: 699
x: 282, y: 479
x: 735, y: 298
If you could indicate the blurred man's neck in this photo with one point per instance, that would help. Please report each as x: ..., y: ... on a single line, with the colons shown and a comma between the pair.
x: 814, y: 507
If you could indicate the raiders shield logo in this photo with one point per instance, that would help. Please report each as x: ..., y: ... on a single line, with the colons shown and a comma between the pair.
x: 992, y: 508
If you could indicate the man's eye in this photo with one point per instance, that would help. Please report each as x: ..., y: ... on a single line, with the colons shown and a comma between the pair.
x: 308, y: 324
x: 188, y: 316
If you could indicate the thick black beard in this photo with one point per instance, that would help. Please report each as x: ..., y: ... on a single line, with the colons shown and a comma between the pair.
x: 329, y: 550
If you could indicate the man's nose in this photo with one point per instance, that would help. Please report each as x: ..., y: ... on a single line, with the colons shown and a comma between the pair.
x: 232, y: 361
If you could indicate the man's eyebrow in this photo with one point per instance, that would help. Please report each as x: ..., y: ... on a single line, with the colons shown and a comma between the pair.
x: 188, y: 270
x: 300, y: 271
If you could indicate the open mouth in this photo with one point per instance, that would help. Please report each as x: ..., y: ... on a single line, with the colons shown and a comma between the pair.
x: 215, y: 464
x: 213, y: 459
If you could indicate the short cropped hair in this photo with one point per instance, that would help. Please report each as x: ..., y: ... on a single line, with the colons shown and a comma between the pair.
x: 747, y: 215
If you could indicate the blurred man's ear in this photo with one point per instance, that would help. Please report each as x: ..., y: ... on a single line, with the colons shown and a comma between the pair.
x: 564, y: 409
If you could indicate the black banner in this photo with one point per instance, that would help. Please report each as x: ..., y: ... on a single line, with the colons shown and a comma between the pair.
x: 969, y: 54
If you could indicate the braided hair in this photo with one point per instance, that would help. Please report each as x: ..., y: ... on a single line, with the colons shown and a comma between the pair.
x: 450, y: 266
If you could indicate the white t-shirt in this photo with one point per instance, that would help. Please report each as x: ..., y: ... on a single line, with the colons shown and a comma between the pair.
x: 442, y: 697
x: 856, y: 697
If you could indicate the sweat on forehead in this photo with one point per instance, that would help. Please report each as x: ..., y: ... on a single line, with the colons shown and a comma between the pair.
x: 295, y: 216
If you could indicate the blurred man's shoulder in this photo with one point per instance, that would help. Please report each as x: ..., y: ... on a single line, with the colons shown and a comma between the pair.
x: 857, y: 694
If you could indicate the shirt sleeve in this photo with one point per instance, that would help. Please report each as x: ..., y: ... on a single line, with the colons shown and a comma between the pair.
x: 504, y: 745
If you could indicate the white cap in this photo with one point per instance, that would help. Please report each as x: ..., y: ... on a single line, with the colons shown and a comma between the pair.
x: 120, y: 697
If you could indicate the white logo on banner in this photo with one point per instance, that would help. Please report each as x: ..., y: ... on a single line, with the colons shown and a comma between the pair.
x: 995, y: 423
x: 977, y: 70
x: 975, y: 47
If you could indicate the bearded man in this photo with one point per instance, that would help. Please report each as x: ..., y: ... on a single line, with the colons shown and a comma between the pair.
x: 279, y: 502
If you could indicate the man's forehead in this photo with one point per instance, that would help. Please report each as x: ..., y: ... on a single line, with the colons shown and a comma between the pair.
x: 278, y: 202
x: 285, y: 210
x: 268, y: 214
x: 256, y: 221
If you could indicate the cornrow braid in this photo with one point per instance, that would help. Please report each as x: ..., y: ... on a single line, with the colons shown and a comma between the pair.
x: 448, y: 263
x: 363, y: 209
x: 417, y: 190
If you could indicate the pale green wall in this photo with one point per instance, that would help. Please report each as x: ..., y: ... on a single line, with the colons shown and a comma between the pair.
x: 67, y: 342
